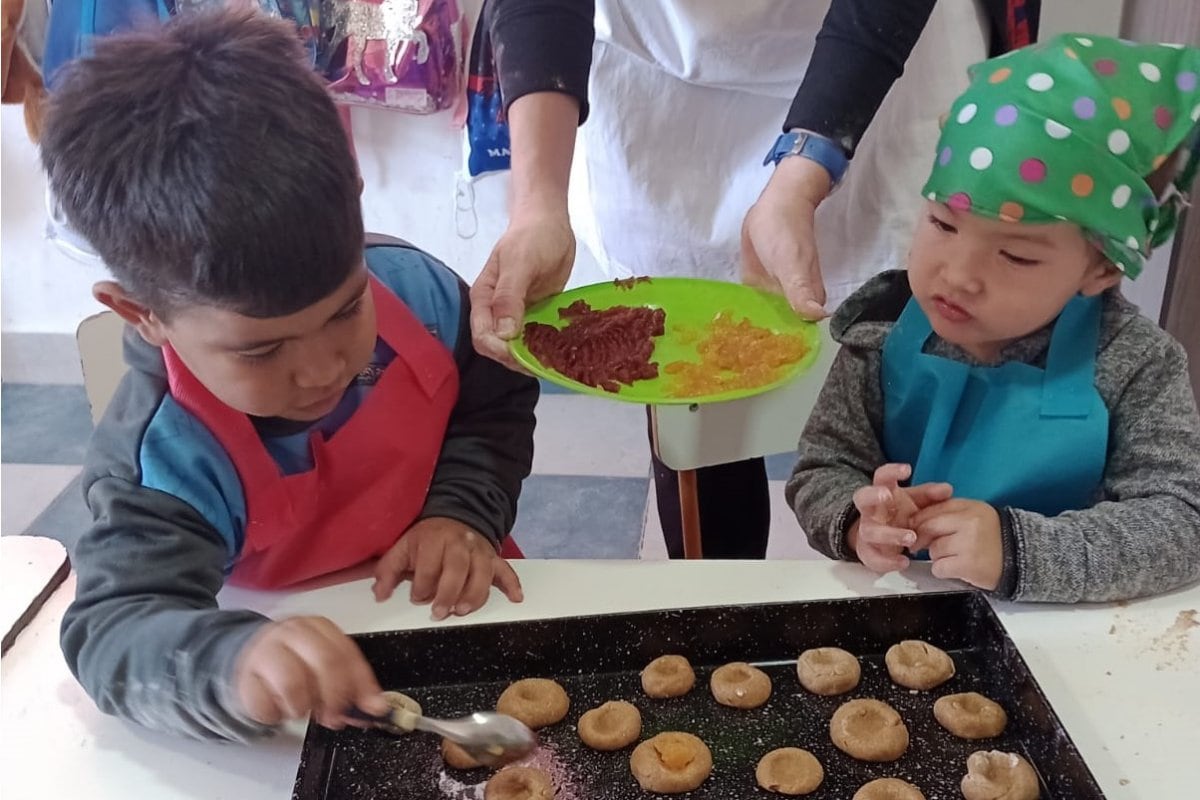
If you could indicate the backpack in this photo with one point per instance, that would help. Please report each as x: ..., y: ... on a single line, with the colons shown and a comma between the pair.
x: 487, y: 129
x: 75, y: 24
x: 401, y: 54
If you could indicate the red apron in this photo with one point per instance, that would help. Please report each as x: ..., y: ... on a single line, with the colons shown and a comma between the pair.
x: 369, y: 479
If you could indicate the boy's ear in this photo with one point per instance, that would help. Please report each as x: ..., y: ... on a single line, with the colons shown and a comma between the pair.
x: 1101, y: 276
x: 145, y: 321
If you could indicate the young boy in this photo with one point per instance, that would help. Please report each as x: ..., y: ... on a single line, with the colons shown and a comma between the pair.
x: 1049, y: 432
x: 294, y: 406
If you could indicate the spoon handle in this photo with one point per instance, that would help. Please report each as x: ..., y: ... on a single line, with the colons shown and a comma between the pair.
x: 440, y: 727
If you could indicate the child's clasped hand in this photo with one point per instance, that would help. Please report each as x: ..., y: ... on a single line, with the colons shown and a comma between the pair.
x: 962, y: 536
x: 883, y: 532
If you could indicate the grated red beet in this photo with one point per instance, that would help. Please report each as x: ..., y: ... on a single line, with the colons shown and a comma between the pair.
x: 599, y: 348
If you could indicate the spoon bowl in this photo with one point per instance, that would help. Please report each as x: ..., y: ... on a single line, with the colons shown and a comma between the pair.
x: 490, y: 738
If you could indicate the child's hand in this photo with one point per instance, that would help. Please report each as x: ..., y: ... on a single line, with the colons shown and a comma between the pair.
x: 883, y: 531
x: 304, y: 665
x: 963, y: 537
x: 450, y: 564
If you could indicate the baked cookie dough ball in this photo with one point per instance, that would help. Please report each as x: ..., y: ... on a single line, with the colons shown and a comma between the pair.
x: 740, y: 685
x: 537, y: 702
x: 668, y: 676
x: 970, y: 715
x: 519, y: 783
x: 400, y: 702
x: 790, y: 771
x: 614, y: 725
x: 828, y: 671
x: 671, y: 763
x: 918, y: 665
x: 996, y: 775
x: 888, y: 789
x: 456, y: 757
x: 869, y: 730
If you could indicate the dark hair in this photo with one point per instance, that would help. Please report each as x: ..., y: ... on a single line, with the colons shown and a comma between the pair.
x: 206, y: 163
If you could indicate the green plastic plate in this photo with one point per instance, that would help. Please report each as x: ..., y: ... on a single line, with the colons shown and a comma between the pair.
x: 690, y: 303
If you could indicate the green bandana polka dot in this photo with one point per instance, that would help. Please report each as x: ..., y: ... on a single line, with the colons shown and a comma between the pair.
x: 1068, y: 130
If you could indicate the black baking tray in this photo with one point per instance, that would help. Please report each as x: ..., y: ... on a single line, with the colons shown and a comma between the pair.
x: 456, y: 670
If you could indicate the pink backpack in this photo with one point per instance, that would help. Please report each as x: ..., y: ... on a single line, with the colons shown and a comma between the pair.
x: 401, y: 54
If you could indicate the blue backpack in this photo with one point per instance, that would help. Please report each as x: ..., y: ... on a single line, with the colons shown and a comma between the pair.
x: 487, y: 129
x: 75, y: 24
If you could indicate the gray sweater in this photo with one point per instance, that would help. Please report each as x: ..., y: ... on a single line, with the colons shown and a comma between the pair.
x: 1141, y: 537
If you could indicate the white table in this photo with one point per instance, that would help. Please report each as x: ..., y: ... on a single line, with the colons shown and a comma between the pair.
x: 31, y: 569
x: 1125, y: 679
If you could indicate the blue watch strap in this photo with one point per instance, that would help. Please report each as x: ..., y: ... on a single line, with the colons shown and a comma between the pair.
x: 815, y: 147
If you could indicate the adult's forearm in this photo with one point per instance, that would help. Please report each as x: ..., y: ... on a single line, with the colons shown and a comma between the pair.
x: 542, y: 134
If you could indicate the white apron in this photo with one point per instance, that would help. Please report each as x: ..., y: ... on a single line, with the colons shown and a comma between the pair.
x: 687, y: 96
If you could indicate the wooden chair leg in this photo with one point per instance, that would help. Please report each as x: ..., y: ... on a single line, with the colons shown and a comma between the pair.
x: 689, y: 506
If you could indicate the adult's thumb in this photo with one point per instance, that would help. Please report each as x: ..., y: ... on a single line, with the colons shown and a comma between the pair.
x: 508, y: 307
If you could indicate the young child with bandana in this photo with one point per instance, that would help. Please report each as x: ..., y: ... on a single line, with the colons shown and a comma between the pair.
x: 999, y: 405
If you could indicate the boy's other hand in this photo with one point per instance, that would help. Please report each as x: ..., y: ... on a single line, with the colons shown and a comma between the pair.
x: 884, y: 531
x: 304, y: 665
x: 532, y: 260
x: 964, y: 541
x: 451, y: 566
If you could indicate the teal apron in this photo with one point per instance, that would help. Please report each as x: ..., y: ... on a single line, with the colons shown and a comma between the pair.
x: 1010, y: 435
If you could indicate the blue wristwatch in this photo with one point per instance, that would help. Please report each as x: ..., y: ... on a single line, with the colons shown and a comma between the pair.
x: 813, y: 146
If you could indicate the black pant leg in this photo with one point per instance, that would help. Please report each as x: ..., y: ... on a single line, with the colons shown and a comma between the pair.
x: 735, y: 508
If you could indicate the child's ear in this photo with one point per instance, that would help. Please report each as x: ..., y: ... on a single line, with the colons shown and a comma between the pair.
x: 1101, y: 276
x: 145, y: 321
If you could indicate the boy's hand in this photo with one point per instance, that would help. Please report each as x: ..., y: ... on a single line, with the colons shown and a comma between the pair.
x: 883, y: 531
x: 304, y: 665
x: 964, y: 541
x: 450, y: 565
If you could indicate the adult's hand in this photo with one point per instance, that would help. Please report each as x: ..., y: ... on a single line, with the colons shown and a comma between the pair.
x: 533, y: 258
x: 779, y: 246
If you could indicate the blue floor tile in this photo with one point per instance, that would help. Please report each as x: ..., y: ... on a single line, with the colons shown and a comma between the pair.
x: 779, y: 466
x: 563, y: 516
x: 553, y: 388
x: 44, y: 424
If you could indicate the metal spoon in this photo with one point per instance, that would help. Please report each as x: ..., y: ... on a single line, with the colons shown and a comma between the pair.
x: 490, y: 738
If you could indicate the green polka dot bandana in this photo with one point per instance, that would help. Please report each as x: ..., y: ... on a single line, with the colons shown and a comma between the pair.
x: 1068, y: 130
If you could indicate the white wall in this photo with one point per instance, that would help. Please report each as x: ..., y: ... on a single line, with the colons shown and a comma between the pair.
x: 41, y: 290
x: 1074, y: 16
